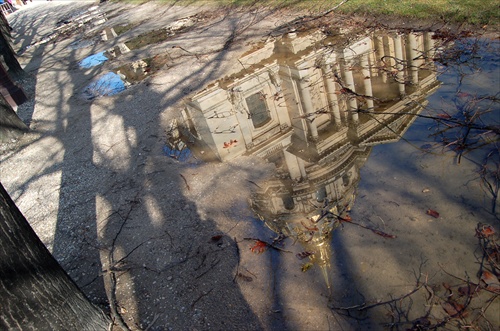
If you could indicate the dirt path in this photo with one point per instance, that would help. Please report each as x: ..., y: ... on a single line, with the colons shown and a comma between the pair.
x: 166, y: 237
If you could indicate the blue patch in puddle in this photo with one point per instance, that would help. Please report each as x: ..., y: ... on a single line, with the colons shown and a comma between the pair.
x: 108, y: 84
x: 183, y: 154
x: 93, y: 60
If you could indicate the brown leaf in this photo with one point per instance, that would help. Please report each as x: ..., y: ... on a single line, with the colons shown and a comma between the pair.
x: 491, y: 281
x: 259, y: 247
x: 433, y: 213
x: 454, y: 309
x: 468, y: 290
x: 484, y: 231
x: 347, y: 218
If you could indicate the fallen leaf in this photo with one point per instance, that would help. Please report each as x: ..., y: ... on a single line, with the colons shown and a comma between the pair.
x: 454, y: 309
x: 491, y: 281
x: 484, y: 231
x: 433, y: 213
x: 468, y: 290
x: 447, y: 286
x: 259, y: 247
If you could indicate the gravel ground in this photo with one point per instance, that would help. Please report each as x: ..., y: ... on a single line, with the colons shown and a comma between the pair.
x: 92, y: 180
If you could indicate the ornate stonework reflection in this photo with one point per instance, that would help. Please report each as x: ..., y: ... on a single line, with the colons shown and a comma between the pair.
x: 314, y: 106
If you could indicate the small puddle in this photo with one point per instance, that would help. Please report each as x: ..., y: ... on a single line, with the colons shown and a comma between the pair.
x: 93, y: 60
x: 163, y: 34
x: 106, y: 85
x: 82, y: 43
x: 175, y: 146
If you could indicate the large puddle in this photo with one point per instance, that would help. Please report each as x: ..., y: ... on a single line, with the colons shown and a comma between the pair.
x: 316, y: 110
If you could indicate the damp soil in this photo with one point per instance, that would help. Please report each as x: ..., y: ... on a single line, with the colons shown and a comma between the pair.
x: 133, y: 185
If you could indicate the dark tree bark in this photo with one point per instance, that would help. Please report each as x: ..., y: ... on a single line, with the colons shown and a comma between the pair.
x: 35, y: 292
x: 6, y: 50
x: 11, y: 126
x: 9, y: 90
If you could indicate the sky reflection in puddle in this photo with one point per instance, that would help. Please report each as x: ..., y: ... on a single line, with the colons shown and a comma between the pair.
x: 93, y: 60
x: 107, y: 85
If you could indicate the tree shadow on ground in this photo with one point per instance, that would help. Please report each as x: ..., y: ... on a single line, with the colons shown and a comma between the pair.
x: 121, y: 211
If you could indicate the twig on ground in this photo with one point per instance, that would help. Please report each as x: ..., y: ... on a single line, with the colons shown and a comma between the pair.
x: 201, y: 296
x: 185, y: 181
x: 364, y: 306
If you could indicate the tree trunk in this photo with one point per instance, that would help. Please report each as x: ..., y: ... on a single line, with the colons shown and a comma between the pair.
x: 35, y: 292
x: 7, y: 52
x: 12, y: 93
x: 11, y: 126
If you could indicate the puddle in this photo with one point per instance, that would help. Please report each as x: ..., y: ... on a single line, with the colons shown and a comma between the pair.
x: 106, y: 85
x: 82, y: 43
x: 93, y: 60
x: 175, y: 146
x: 163, y: 34
x: 132, y: 72
x: 315, y: 110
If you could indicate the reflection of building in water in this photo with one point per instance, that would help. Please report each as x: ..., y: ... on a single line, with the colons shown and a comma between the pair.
x: 314, y: 105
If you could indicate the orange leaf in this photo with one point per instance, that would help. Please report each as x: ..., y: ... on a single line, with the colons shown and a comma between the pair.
x: 485, y: 231
x: 259, y: 247
x: 433, y: 213
x: 347, y: 218
x: 491, y: 281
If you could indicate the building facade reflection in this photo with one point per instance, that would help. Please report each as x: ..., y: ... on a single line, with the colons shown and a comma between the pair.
x: 314, y: 105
